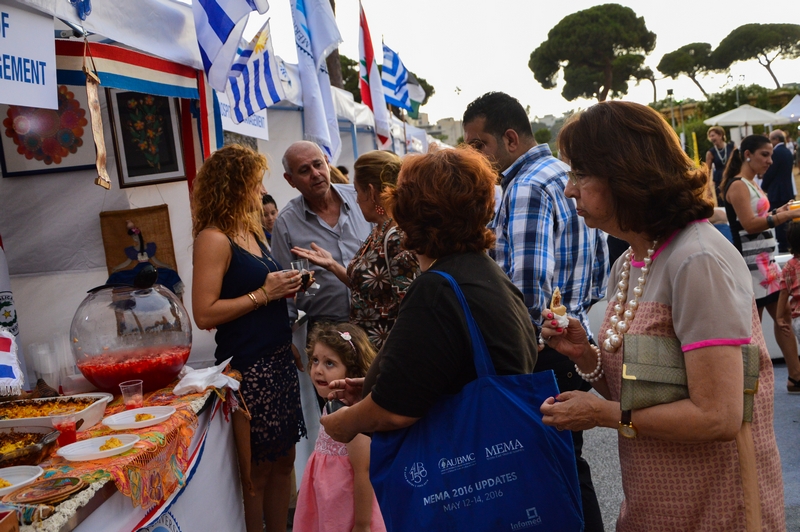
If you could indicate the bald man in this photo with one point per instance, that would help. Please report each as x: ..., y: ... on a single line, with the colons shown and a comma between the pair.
x: 326, y: 215
x: 778, y: 182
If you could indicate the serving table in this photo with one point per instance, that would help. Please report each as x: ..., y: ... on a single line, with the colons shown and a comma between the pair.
x: 181, y: 475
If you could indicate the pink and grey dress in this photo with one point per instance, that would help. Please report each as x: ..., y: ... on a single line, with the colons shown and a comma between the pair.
x: 699, y: 291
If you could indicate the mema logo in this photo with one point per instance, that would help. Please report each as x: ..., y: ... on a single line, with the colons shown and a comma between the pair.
x: 503, y: 448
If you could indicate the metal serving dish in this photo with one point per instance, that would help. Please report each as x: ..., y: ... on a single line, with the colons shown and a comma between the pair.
x: 89, y: 416
x: 32, y: 454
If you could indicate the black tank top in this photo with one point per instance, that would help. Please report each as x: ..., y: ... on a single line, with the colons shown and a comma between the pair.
x: 249, y: 337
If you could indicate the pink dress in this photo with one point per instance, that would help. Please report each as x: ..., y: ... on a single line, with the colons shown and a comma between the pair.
x: 325, y: 501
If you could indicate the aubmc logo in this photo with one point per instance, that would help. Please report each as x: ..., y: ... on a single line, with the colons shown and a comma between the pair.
x: 459, y: 462
x: 504, y: 448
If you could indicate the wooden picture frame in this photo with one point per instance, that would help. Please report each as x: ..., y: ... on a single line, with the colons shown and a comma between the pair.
x: 147, y: 140
x: 45, y: 141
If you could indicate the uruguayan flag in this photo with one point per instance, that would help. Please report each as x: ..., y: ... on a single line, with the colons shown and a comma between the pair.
x: 394, y: 78
x: 254, y: 83
x: 219, y: 25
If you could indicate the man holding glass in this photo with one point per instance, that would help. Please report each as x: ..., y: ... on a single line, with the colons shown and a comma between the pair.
x: 542, y: 244
x: 324, y: 215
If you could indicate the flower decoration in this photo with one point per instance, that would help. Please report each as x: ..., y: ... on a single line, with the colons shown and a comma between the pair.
x: 345, y: 336
x: 47, y: 135
x: 145, y: 124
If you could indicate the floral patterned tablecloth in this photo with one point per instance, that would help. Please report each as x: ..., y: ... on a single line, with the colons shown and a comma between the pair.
x: 154, y: 467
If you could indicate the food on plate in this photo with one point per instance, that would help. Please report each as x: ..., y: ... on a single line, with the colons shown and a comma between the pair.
x: 12, y: 441
x: 144, y: 417
x: 559, y: 311
x: 4, y: 483
x: 111, y: 443
x: 28, y: 408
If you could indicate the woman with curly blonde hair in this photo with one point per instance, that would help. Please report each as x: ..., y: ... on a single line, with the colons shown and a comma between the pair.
x: 239, y: 289
x: 381, y: 271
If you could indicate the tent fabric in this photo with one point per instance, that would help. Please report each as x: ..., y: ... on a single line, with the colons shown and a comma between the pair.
x: 120, y: 68
x: 792, y: 109
x: 170, y: 30
x: 344, y: 104
x: 745, y: 115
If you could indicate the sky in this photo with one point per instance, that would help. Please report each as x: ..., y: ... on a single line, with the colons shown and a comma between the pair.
x: 465, y: 49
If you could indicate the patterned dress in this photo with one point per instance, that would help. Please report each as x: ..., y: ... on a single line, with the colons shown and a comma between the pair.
x: 380, y: 274
x: 672, y: 486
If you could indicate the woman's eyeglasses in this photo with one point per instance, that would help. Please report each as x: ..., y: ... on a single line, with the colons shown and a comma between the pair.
x: 575, y: 178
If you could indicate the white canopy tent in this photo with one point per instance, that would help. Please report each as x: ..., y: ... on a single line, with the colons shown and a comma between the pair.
x: 792, y: 109
x: 746, y: 115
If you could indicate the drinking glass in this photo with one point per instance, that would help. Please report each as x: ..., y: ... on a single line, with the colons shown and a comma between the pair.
x: 131, y: 394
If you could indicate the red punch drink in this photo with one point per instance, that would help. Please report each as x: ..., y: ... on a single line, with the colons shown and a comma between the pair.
x: 65, y: 425
x: 156, y: 366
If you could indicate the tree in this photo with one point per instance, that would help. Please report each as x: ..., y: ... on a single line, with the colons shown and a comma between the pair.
x: 763, y: 42
x: 690, y: 60
x: 646, y: 73
x: 542, y: 136
x: 333, y: 62
x: 599, y: 49
x: 350, y: 76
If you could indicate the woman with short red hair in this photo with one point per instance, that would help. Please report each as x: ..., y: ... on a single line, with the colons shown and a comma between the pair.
x: 442, y: 202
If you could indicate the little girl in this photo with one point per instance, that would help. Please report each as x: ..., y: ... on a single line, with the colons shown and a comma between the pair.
x: 336, y: 494
x: 789, y: 300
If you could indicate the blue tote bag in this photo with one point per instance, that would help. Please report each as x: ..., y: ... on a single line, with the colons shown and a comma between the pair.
x: 480, y: 460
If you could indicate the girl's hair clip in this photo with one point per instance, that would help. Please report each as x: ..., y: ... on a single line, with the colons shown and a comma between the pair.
x: 349, y: 339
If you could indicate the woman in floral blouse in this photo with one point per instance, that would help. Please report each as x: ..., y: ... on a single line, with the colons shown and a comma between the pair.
x: 381, y: 271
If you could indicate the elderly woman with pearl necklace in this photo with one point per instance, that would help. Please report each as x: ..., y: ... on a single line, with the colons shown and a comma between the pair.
x: 680, y: 462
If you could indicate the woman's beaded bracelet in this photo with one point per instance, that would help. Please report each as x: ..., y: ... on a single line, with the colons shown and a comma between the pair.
x: 597, y: 374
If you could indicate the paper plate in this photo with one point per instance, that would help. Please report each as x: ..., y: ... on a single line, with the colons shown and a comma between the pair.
x: 90, y: 449
x: 127, y: 420
x: 19, y: 476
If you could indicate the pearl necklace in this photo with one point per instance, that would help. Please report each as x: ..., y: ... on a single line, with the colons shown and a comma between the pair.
x: 621, y: 321
x: 720, y: 155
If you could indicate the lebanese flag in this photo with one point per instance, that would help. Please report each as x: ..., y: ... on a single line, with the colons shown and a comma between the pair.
x: 370, y: 82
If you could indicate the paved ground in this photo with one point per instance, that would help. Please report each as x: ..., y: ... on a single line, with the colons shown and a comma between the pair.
x: 600, y: 449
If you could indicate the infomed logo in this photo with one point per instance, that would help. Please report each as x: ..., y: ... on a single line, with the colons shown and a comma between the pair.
x: 504, y: 448
x: 532, y: 519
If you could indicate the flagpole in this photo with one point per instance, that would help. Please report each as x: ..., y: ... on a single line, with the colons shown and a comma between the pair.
x: 405, y: 130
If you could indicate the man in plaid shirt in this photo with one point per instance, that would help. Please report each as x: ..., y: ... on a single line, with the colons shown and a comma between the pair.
x: 542, y: 243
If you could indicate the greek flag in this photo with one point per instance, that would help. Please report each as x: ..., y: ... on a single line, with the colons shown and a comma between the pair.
x: 395, y: 80
x: 255, y: 83
x: 219, y: 25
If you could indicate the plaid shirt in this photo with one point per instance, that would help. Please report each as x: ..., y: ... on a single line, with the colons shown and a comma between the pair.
x: 543, y: 243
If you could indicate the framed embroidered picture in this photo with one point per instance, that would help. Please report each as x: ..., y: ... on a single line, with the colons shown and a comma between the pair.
x: 43, y: 141
x: 147, y: 140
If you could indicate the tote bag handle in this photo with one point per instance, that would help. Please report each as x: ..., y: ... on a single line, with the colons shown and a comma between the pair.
x: 480, y: 354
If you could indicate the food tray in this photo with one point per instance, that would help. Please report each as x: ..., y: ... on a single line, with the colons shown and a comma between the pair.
x: 31, y: 454
x: 88, y: 417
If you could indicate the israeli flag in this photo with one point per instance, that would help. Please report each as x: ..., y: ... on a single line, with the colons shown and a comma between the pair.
x: 394, y: 78
x: 219, y: 25
x: 255, y: 82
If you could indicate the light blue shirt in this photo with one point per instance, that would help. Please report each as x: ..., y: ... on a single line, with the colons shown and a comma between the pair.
x: 298, y: 225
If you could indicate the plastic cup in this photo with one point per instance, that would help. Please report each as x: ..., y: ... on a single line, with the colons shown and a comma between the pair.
x: 66, y: 425
x: 301, y: 265
x: 131, y: 394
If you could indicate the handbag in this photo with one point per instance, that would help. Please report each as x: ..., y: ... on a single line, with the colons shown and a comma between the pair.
x: 481, y: 459
x: 654, y: 373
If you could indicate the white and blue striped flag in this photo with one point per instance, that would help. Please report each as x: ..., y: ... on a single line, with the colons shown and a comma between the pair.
x: 219, y: 25
x: 254, y: 83
x: 394, y: 78
x: 316, y: 36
